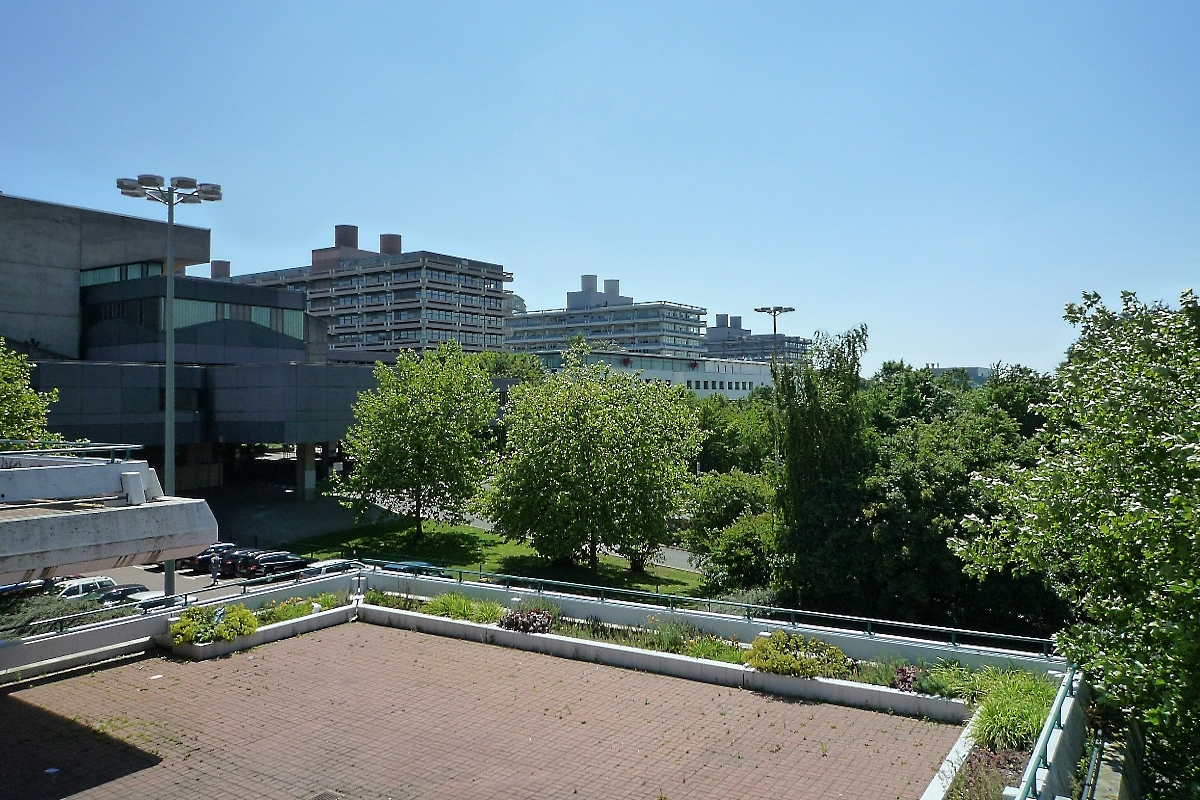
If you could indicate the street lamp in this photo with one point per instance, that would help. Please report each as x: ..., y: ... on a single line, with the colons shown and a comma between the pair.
x: 188, y: 192
x: 775, y: 311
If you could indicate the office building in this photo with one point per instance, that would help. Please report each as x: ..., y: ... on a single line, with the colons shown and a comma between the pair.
x: 728, y: 339
x: 389, y: 301
x: 704, y: 376
x: 615, y: 321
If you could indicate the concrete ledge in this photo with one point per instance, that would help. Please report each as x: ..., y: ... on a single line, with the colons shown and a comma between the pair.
x: 80, y: 659
x: 951, y: 764
x: 846, y: 693
x: 23, y: 655
x: 264, y: 635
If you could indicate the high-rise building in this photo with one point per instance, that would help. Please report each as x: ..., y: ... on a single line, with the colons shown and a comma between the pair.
x: 390, y: 300
x: 728, y: 339
x: 655, y: 328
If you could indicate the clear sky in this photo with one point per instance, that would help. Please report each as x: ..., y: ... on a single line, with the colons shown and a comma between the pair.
x: 950, y: 174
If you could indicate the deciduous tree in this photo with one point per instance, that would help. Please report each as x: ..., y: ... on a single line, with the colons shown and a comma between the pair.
x: 23, y: 409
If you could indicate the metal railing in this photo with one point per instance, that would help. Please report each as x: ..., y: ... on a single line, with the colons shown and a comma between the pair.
x: 1053, y: 723
x: 48, y: 447
x: 870, y: 626
x: 161, y: 605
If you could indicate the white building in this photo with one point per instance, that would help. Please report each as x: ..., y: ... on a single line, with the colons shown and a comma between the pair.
x: 704, y: 376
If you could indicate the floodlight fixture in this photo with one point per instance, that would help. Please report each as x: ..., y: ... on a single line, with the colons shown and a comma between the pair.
x: 151, y: 181
x: 183, y: 183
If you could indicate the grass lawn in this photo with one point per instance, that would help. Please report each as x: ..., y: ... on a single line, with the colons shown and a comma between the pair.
x: 464, y: 547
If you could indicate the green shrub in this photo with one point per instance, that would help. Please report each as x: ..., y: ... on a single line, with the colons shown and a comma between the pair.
x: 284, y: 610
x: 403, y: 602
x: 880, y: 672
x: 206, y: 624
x: 328, y: 600
x: 740, y: 556
x: 543, y: 605
x: 527, y: 620
x: 196, y: 625
x: 453, y: 605
x: 236, y: 621
x: 486, y: 612
x: 1012, y: 710
x: 714, y: 648
x: 792, y: 655
x: 719, y: 499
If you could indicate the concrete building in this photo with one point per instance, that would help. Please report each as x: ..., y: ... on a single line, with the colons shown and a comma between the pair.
x: 655, y: 328
x: 704, y: 376
x: 390, y: 300
x: 728, y: 339
x: 87, y: 304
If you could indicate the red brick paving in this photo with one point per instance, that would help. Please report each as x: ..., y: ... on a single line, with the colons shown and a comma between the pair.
x: 372, y: 712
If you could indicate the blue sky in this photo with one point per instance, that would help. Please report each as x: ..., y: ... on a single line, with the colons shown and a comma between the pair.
x: 950, y: 174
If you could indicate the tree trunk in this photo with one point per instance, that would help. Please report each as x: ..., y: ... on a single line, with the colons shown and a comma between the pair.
x: 593, y: 555
x: 420, y: 529
x: 637, y: 563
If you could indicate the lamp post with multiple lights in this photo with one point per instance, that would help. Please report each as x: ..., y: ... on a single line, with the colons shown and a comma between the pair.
x: 188, y: 192
x: 775, y: 311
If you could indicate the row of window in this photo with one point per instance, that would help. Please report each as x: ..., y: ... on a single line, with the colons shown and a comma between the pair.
x: 148, y: 313
x: 415, y: 314
x: 542, y: 320
x: 733, y: 386
x: 123, y: 272
x: 418, y: 335
x: 399, y: 276
x: 387, y: 298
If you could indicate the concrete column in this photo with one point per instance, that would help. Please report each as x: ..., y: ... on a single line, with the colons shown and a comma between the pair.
x: 306, y: 471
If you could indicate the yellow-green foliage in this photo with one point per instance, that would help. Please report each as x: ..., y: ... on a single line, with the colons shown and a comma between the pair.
x: 792, y: 655
x: 200, y: 624
x: 457, y: 606
x: 1012, y: 710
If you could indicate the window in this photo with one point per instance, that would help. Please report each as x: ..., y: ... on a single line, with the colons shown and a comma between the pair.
x: 706, y: 384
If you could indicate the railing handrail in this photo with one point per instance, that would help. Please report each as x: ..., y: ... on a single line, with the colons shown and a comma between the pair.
x: 869, y: 623
x: 1053, y: 723
x: 50, y: 447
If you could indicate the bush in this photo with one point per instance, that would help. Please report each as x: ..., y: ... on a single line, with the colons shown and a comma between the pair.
x: 792, y: 655
x: 527, y: 620
x: 543, y: 605
x: 457, y: 606
x: 403, y: 602
x: 1013, y: 710
x: 740, y: 556
x: 284, y: 610
x: 719, y: 499
x: 206, y: 624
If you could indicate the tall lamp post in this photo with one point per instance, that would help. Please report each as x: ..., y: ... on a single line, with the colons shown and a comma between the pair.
x: 775, y: 311
x: 188, y: 192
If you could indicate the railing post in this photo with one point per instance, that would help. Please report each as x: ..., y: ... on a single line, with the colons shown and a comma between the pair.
x: 869, y: 631
x: 601, y: 594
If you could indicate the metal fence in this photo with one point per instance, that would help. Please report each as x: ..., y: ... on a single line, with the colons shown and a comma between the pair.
x: 50, y: 447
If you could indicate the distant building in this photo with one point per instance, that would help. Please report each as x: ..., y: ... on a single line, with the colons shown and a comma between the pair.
x: 658, y: 328
x: 390, y: 301
x: 704, y: 376
x: 728, y: 339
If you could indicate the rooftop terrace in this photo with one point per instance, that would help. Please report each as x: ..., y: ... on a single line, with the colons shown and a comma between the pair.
x: 374, y: 712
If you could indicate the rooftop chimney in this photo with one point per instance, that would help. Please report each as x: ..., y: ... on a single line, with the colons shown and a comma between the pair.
x: 735, y: 322
x: 389, y: 244
x: 345, y: 236
x: 218, y: 269
x: 588, y: 283
x: 722, y: 320
x: 612, y: 287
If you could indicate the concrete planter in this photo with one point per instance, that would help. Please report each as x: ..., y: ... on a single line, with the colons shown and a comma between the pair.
x: 264, y: 635
x: 846, y: 693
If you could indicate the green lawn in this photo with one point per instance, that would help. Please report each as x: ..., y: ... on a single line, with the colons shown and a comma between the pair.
x: 467, y: 548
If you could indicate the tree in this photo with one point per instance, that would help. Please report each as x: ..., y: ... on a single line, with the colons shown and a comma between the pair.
x: 741, y: 555
x: 718, y: 499
x: 1108, y: 516
x: 594, y: 458
x: 23, y: 410
x: 417, y: 446
x: 521, y: 366
x: 737, y: 433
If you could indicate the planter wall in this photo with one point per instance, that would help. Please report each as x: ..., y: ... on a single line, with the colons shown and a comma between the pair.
x: 848, y: 693
x: 618, y: 612
x: 264, y: 635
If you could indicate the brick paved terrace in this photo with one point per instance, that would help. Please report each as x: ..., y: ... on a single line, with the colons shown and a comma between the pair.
x: 372, y: 712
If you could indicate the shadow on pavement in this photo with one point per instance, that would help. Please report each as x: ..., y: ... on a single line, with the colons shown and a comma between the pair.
x: 37, y: 740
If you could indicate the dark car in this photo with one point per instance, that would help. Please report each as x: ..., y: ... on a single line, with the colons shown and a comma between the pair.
x: 201, y: 561
x: 118, y: 594
x: 230, y: 559
x: 416, y: 568
x: 274, y: 564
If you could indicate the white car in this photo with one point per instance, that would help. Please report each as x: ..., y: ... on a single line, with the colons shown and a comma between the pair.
x: 79, y: 588
x: 331, y: 566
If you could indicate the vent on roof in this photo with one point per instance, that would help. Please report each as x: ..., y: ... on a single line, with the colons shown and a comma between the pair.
x: 327, y: 795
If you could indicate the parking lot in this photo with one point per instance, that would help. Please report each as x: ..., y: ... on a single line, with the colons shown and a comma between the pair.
x: 370, y: 712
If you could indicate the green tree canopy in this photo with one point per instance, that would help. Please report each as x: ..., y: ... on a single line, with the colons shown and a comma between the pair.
x: 23, y: 410
x: 521, y: 366
x: 1108, y: 515
x: 737, y: 433
x: 594, y: 458
x: 418, y: 446
x: 718, y: 499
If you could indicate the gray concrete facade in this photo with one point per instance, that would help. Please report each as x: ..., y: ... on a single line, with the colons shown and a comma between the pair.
x: 44, y: 247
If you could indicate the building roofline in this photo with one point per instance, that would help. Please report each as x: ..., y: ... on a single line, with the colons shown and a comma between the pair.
x: 163, y: 222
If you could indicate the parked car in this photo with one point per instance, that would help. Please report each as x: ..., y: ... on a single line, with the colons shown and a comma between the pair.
x: 79, y: 588
x: 24, y: 587
x: 332, y: 566
x: 118, y: 594
x: 416, y: 568
x: 274, y: 564
x: 201, y: 561
x: 244, y: 562
x: 230, y: 559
